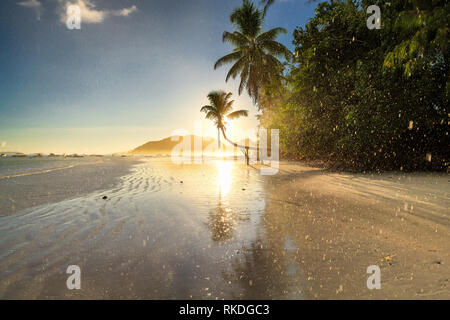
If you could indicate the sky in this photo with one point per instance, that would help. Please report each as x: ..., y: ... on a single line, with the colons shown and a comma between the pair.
x: 136, y: 70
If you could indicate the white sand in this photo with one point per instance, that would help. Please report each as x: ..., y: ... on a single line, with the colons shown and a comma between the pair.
x: 28, y: 187
x: 224, y: 231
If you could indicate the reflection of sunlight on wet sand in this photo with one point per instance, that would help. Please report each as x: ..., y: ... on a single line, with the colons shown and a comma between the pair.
x: 224, y: 178
x: 169, y: 232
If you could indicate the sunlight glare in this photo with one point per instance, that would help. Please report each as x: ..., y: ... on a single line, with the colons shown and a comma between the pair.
x: 224, y: 177
x: 229, y: 125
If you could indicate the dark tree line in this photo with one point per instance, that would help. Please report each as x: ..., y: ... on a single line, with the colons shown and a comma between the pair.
x: 366, y: 99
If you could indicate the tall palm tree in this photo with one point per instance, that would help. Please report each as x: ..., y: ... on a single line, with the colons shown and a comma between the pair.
x: 255, y: 53
x: 219, y: 111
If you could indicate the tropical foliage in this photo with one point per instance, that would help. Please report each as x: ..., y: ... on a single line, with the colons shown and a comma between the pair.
x: 256, y: 53
x: 267, y: 4
x: 367, y: 99
x: 220, y: 110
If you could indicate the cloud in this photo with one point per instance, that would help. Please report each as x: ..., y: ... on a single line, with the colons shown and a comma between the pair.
x: 3, y: 144
x: 91, y: 14
x: 125, y: 12
x: 30, y: 4
x: 34, y: 5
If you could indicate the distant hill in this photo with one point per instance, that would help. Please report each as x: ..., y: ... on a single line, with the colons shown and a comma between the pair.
x: 166, y: 145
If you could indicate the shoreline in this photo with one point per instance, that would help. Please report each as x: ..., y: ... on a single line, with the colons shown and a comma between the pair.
x: 223, y: 231
x: 28, y: 189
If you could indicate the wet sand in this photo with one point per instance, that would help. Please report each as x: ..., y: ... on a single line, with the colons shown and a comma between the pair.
x: 31, y: 188
x: 223, y: 231
x: 347, y: 222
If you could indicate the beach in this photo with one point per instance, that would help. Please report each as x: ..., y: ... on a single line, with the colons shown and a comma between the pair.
x: 26, y: 183
x: 222, y: 230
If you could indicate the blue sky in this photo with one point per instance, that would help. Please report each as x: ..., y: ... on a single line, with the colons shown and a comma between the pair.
x: 136, y: 71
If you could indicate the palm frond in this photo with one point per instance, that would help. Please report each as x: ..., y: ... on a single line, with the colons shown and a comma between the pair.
x: 244, y: 79
x: 237, y: 114
x: 238, y: 66
x: 276, y: 49
x: 207, y: 109
x: 227, y: 59
x: 214, y: 98
x: 247, y: 18
x: 227, y: 96
x: 236, y: 38
x: 254, y: 82
x: 212, y: 116
x: 273, y: 65
x: 267, y: 4
x: 272, y: 34
x: 228, y: 106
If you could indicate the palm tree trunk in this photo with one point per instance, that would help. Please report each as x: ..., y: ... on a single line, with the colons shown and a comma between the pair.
x: 257, y: 148
x: 218, y: 138
x: 233, y: 143
x: 247, y: 157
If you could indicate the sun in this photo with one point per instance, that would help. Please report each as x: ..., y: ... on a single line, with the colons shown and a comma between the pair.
x: 229, y: 125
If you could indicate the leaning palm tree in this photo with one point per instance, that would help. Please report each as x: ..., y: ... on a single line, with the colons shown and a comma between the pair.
x: 219, y: 111
x: 256, y: 52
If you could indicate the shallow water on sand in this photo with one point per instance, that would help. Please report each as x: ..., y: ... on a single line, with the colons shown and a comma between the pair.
x: 10, y: 167
x: 165, y: 232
